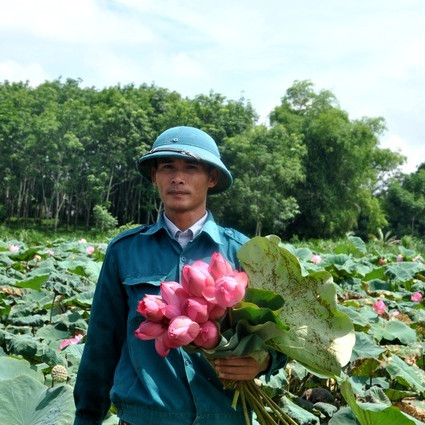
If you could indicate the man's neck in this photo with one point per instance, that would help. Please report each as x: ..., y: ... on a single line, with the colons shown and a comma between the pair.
x: 184, y: 220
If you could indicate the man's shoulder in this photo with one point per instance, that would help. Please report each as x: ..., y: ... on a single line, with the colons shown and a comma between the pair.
x: 129, y: 233
x: 233, y: 235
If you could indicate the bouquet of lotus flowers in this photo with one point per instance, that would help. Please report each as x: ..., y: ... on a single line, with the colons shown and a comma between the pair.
x: 214, y: 310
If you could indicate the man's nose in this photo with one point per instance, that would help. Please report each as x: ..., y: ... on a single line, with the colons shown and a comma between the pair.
x: 178, y: 177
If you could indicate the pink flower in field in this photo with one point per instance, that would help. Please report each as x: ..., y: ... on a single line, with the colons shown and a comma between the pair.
x: 230, y: 289
x: 196, y: 308
x: 50, y: 252
x: 182, y: 331
x: 13, y: 248
x: 90, y: 250
x: 416, y: 297
x: 70, y: 341
x: 316, y: 259
x: 395, y: 313
x: 196, y: 278
x: 82, y: 240
x: 219, y: 266
x: 151, y: 307
x: 36, y: 257
x: 379, y: 307
x: 399, y: 258
x: 382, y: 261
x: 208, y: 336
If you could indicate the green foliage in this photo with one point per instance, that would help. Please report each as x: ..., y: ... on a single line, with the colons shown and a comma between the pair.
x: 313, y: 173
x: 103, y: 219
x: 404, y: 202
x: 342, y: 165
x: 262, y: 199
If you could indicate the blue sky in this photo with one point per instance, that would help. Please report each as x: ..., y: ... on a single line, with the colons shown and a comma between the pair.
x: 370, y: 54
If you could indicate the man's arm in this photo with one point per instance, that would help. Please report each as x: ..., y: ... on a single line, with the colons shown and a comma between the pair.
x: 106, y: 334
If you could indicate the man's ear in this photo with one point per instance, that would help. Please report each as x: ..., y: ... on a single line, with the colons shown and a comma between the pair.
x: 153, y: 175
x: 213, y: 177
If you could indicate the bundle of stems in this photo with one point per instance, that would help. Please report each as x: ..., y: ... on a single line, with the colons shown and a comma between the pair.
x: 268, y: 412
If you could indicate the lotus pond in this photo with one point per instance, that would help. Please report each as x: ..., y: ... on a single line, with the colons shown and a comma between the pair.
x: 45, y: 299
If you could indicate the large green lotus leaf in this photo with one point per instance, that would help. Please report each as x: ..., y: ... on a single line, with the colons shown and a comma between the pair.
x: 52, y: 333
x: 365, y: 347
x: 25, y: 401
x: 301, y: 416
x: 404, y: 271
x: 374, y: 414
x: 344, y: 416
x: 320, y: 336
x: 33, y: 282
x: 410, y: 376
x: 393, y: 330
x: 360, y: 320
x: 32, y: 349
x: 11, y: 368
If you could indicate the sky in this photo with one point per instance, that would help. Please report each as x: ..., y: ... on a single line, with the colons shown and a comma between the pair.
x: 369, y: 53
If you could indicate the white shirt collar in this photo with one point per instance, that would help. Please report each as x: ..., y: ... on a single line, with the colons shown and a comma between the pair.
x: 183, y: 238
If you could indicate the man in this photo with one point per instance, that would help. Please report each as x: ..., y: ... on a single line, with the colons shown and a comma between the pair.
x: 180, y: 389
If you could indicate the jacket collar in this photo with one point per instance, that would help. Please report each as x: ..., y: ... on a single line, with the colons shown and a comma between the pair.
x: 210, y: 228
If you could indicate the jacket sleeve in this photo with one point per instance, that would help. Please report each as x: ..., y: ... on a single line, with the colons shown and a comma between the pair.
x: 105, y: 337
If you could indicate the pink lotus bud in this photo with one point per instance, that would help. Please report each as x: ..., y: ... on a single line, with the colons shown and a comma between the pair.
x: 151, y: 307
x: 316, y: 259
x: 379, y: 307
x: 75, y: 340
x: 416, y: 297
x: 395, y: 313
x: 216, y: 311
x: 161, y: 345
x: 90, y: 250
x: 182, y: 331
x: 13, y: 248
x: 382, y: 261
x: 399, y: 258
x: 219, y: 266
x: 149, y: 330
x: 37, y: 257
x: 230, y: 289
x: 174, y: 295
x: 196, y: 308
x: 195, y: 278
x: 208, y: 336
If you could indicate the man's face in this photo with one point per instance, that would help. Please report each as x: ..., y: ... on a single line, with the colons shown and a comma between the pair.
x: 183, y: 184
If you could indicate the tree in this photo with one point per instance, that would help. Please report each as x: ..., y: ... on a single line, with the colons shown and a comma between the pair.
x: 404, y: 202
x: 342, y: 163
x: 266, y: 166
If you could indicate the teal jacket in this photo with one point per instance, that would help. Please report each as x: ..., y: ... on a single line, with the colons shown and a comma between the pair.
x: 117, y: 367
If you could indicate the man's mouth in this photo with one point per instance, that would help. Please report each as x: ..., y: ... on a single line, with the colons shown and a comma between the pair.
x: 177, y: 192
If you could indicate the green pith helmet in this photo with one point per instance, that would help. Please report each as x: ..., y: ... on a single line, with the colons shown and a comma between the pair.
x: 187, y: 143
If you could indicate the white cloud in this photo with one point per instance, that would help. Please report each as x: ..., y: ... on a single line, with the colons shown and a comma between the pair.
x: 31, y: 72
x: 415, y: 154
x: 79, y: 21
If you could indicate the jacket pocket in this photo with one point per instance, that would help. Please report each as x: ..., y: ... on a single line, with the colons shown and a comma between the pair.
x: 144, y: 279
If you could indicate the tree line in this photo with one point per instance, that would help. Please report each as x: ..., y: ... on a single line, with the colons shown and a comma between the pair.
x: 67, y: 158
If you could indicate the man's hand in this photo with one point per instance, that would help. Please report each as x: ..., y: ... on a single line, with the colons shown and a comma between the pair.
x: 240, y: 368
